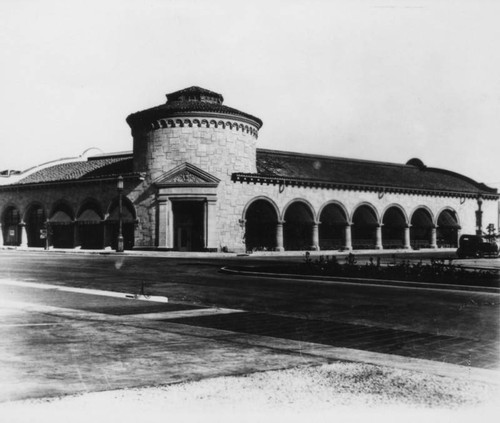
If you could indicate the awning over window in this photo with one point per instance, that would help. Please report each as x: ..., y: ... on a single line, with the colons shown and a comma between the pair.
x: 448, y: 220
x: 365, y: 216
x: 333, y: 215
x: 60, y: 218
x: 421, y: 219
x: 89, y: 217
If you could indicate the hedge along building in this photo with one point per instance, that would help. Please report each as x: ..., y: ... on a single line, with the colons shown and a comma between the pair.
x: 197, y: 181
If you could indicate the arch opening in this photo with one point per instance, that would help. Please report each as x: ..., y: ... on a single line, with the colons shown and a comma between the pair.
x: 364, y: 228
x: 421, y: 229
x: 10, y: 226
x: 447, y: 229
x: 90, y: 231
x: 36, y: 226
x: 128, y: 224
x: 260, y: 226
x: 298, y: 227
x: 393, y: 229
x: 332, y: 227
x: 62, y: 228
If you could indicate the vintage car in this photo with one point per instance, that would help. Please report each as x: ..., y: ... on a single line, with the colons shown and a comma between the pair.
x: 477, y: 246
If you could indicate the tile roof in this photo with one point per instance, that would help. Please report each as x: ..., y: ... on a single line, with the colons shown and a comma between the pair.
x: 286, y: 166
x: 194, y: 90
x: 81, y: 170
x: 178, y: 104
x: 348, y: 172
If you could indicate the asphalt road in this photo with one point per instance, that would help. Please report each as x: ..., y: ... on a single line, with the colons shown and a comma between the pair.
x: 57, y: 341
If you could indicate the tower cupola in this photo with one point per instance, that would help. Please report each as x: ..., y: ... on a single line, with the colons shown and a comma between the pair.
x: 195, y: 127
x: 195, y: 94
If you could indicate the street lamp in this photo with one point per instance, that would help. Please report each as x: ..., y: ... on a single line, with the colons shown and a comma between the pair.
x: 119, y: 186
x: 479, y: 216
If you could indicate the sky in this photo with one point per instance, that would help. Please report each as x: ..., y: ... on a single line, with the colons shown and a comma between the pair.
x: 383, y: 80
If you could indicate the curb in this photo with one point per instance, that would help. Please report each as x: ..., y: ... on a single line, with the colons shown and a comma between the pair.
x: 154, y: 298
x: 361, y: 281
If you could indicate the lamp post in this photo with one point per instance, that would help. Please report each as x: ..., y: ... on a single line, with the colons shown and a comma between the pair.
x: 479, y: 216
x: 119, y: 186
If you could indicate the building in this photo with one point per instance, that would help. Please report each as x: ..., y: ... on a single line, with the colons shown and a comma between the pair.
x: 196, y: 181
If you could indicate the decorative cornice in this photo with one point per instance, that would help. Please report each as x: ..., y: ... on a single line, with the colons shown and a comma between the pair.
x: 202, y: 120
x: 283, y: 181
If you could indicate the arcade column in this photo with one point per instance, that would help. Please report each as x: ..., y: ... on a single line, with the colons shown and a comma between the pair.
x: 348, y: 237
x: 315, y: 236
x: 24, y: 235
x: 407, y: 244
x: 378, y: 240
x: 279, y: 236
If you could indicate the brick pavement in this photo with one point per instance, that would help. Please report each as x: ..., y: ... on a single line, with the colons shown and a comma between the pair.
x: 447, y: 349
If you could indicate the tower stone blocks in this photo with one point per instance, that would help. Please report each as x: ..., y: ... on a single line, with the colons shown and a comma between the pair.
x: 192, y: 127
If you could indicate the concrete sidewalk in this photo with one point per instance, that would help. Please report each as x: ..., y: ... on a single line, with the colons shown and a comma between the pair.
x: 83, y: 351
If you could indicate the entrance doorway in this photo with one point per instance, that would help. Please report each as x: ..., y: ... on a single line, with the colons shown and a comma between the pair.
x: 189, y: 225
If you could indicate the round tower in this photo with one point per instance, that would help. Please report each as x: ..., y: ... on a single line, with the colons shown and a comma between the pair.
x: 188, y: 150
x: 194, y: 127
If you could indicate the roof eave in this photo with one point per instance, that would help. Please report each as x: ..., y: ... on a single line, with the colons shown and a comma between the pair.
x: 130, y: 176
x: 283, y: 180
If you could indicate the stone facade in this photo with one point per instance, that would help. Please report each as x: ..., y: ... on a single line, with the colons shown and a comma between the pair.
x: 219, y: 148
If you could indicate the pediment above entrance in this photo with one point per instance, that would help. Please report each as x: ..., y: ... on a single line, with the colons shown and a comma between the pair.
x: 185, y: 175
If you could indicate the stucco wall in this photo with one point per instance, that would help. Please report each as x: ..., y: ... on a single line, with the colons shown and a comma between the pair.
x: 238, y: 195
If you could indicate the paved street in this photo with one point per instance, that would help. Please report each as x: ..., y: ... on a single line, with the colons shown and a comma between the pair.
x: 57, y: 339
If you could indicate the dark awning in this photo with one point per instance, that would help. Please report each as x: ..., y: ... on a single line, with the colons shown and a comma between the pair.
x: 448, y: 220
x: 89, y: 216
x: 60, y: 218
